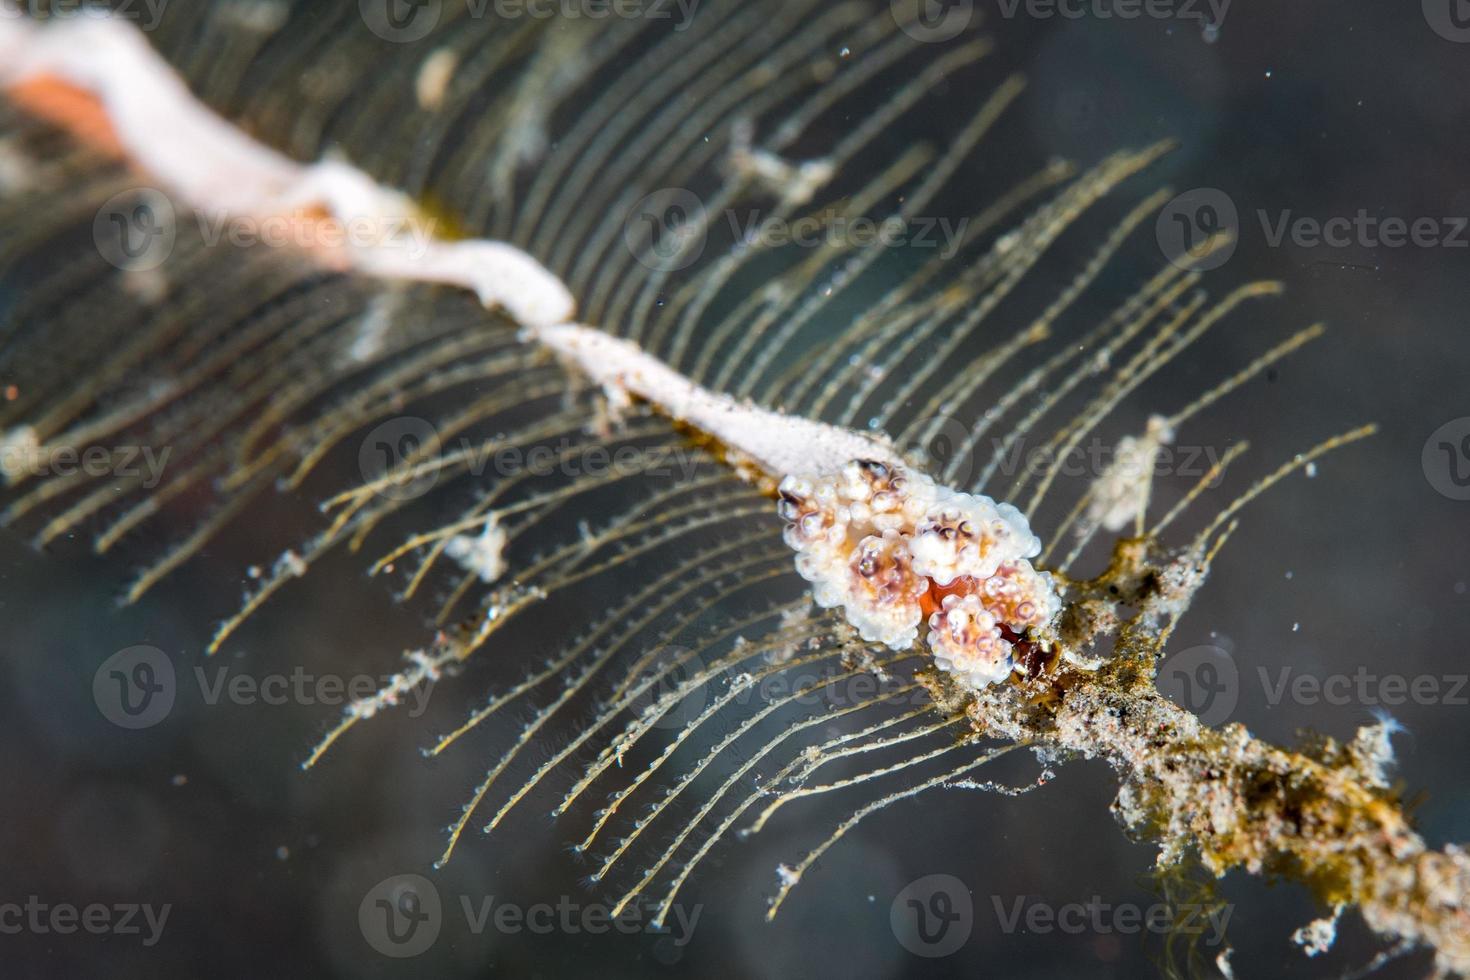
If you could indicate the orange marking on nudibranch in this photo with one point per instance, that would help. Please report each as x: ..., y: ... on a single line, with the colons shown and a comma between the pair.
x: 83, y: 116
x: 70, y: 107
x: 933, y: 600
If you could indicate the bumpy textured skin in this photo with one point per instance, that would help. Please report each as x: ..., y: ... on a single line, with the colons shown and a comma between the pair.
x: 902, y: 555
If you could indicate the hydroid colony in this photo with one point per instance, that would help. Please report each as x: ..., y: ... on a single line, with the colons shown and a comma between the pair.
x: 774, y: 369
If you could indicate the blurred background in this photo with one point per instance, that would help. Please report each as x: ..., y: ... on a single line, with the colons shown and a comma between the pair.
x: 1293, y: 114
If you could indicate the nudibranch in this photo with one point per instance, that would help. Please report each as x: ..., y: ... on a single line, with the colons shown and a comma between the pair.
x: 902, y: 556
x: 905, y: 559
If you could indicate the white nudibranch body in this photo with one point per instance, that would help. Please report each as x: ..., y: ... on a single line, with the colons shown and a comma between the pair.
x: 213, y: 167
x: 899, y: 553
x: 779, y: 444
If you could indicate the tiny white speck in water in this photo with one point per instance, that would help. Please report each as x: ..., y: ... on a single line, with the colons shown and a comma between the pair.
x: 1211, y: 33
x: 1311, y: 471
x: 1296, y: 627
x: 1290, y: 575
x: 1268, y: 72
x: 845, y: 53
x: 283, y: 853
